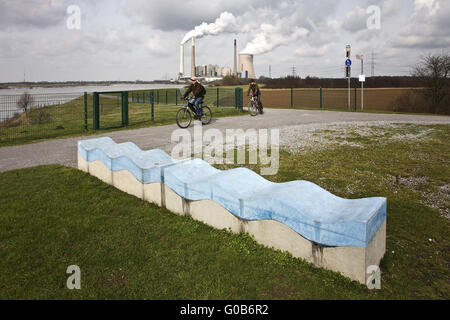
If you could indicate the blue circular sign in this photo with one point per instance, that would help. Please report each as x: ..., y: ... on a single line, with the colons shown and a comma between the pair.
x: 348, y: 62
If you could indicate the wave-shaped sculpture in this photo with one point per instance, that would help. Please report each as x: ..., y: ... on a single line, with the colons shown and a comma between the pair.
x: 314, y: 214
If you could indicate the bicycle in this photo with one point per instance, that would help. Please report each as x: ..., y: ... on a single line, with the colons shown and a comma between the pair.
x: 185, y: 115
x: 253, y: 106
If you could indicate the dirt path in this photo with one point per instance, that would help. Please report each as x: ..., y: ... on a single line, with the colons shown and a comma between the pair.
x: 64, y: 151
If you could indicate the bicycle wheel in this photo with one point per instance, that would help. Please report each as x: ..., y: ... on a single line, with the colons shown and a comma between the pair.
x: 206, y: 115
x: 184, y: 118
x: 252, y: 109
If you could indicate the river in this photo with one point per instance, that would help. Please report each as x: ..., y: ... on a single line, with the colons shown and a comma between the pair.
x: 88, y: 89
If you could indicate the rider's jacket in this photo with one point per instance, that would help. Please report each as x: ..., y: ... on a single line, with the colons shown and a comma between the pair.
x: 197, y: 90
x: 254, y: 89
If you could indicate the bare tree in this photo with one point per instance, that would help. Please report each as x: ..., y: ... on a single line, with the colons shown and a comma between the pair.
x: 435, y: 71
x: 25, y: 102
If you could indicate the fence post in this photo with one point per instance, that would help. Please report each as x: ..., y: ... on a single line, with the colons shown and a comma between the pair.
x: 166, y: 98
x: 157, y: 96
x: 238, y: 95
x: 124, y: 108
x: 85, y: 112
x: 292, y: 97
x: 356, y: 101
x: 176, y: 97
x: 217, y: 103
x: 96, y: 112
x: 152, y: 98
x: 321, y: 98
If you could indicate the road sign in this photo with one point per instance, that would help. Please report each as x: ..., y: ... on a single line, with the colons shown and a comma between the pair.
x: 362, y: 78
x: 348, y: 62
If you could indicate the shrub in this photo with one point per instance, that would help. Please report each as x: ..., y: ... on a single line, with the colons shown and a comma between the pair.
x: 40, y: 116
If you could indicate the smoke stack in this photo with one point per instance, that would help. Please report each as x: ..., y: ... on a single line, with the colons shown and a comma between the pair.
x: 193, y: 58
x: 181, y: 60
x: 246, y: 65
x: 235, y: 59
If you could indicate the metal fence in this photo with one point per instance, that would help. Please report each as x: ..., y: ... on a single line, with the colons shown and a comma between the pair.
x: 28, y: 117
x: 215, y: 97
x: 380, y: 99
x: 31, y: 117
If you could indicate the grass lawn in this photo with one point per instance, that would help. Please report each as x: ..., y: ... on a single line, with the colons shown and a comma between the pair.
x: 67, y: 120
x: 53, y: 217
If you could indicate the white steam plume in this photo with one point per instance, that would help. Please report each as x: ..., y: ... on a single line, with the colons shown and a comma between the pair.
x: 267, y: 37
x: 226, y: 22
x: 270, y: 37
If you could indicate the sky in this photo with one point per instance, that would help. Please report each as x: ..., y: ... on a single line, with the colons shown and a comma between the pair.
x: 119, y: 40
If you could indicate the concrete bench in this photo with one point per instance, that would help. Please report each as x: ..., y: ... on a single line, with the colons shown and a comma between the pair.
x: 299, y: 217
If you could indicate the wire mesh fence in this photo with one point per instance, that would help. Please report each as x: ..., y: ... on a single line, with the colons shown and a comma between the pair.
x: 110, y: 110
x: 29, y: 117
x: 379, y: 99
x: 215, y: 97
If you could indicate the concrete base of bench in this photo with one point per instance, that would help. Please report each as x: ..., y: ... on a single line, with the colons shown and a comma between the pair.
x: 351, y: 262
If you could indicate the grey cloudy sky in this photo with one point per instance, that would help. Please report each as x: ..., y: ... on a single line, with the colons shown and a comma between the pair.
x: 139, y: 39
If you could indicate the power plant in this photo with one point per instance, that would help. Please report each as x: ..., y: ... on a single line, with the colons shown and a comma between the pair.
x: 244, y: 69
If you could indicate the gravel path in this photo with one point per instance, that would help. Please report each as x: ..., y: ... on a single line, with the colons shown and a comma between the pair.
x: 296, y: 127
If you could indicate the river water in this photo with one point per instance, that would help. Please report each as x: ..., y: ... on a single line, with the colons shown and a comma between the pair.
x: 57, y: 95
x: 88, y: 89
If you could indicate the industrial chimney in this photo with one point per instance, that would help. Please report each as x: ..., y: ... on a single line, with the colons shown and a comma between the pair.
x: 181, y: 60
x: 193, y: 58
x: 246, y: 65
x: 235, y: 59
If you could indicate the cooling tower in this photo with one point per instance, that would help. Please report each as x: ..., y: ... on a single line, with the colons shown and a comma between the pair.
x: 193, y: 58
x: 181, y: 60
x: 246, y: 65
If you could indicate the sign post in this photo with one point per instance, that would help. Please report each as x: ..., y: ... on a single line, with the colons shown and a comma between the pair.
x: 362, y: 79
x: 348, y: 64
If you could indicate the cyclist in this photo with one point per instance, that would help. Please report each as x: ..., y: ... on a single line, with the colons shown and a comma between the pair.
x: 254, y: 89
x: 198, y: 91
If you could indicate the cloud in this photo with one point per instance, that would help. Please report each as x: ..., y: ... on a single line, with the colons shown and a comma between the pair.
x: 175, y: 15
x: 310, y: 51
x: 355, y: 20
x: 272, y: 36
x: 428, y: 26
x: 31, y: 13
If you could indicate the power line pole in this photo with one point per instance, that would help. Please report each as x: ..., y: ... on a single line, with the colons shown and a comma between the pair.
x: 294, y: 71
x: 362, y: 79
x: 372, y: 74
x: 270, y: 71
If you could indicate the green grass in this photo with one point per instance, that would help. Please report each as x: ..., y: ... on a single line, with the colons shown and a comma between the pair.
x: 67, y: 120
x: 53, y: 217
